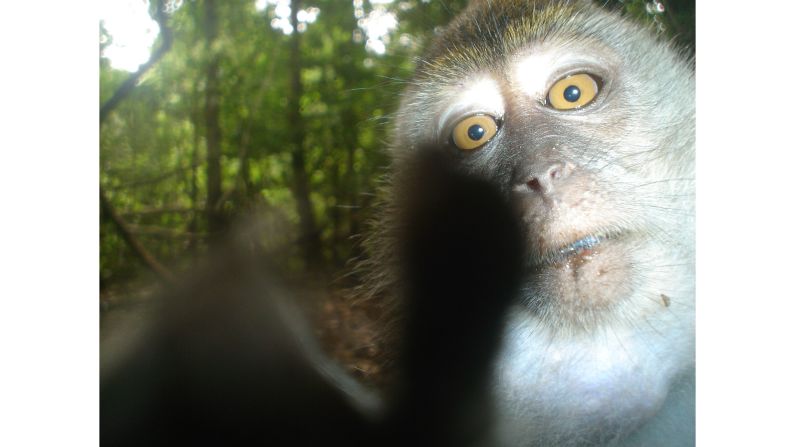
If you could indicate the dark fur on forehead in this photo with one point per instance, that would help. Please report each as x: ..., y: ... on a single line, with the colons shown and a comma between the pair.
x: 487, y: 31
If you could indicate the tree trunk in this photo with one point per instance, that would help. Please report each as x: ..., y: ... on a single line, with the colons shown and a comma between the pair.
x: 213, y: 128
x: 193, y: 225
x: 309, y: 237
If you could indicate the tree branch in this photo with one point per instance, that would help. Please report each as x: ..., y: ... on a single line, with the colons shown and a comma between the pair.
x: 155, y: 179
x: 152, y: 230
x: 132, y: 241
x: 128, y: 85
x: 160, y: 211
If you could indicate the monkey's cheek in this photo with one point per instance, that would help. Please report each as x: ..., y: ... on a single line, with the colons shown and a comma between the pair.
x: 591, y: 280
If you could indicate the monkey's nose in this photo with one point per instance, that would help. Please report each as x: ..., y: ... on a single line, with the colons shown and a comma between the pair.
x: 543, y: 181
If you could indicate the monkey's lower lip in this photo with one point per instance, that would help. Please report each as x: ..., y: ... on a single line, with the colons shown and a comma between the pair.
x: 578, y: 247
x: 588, y: 242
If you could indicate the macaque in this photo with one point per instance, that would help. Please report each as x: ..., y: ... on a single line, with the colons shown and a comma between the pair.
x: 585, y: 122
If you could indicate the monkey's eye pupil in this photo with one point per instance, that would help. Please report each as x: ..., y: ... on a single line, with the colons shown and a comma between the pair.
x: 572, y: 93
x: 476, y: 132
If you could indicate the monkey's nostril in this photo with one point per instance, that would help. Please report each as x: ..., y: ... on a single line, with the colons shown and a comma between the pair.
x: 558, y: 171
x: 543, y: 181
x: 534, y: 184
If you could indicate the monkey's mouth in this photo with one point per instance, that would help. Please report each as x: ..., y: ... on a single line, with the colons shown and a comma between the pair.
x: 582, y: 247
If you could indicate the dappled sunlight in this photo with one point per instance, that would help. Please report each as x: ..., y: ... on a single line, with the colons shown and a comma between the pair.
x: 133, y: 32
x: 282, y: 10
x: 377, y: 25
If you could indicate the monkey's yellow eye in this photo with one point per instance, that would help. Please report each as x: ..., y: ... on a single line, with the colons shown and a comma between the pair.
x: 573, y: 92
x: 474, y: 131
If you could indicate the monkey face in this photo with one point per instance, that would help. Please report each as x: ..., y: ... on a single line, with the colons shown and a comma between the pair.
x: 588, y: 127
x: 586, y: 122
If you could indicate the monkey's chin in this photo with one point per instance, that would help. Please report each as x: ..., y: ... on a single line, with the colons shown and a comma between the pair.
x: 582, y: 281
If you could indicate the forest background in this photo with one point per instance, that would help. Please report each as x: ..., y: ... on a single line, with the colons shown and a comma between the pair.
x: 235, y: 114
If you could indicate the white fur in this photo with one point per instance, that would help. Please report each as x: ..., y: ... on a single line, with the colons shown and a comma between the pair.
x: 561, y: 387
x: 478, y: 95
